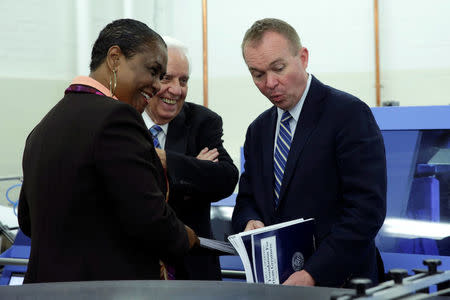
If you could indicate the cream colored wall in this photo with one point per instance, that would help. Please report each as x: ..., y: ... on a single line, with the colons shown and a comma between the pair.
x: 24, y: 102
x: 417, y: 87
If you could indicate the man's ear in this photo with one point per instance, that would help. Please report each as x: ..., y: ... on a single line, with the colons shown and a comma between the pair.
x: 113, y: 57
x: 304, y: 56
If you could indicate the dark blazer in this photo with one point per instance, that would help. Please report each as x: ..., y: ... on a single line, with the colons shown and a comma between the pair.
x: 335, y: 173
x: 92, y: 198
x: 196, y: 183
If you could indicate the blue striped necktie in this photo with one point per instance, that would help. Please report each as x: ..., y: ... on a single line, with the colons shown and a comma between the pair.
x: 281, y: 154
x: 166, y: 272
x: 154, y: 130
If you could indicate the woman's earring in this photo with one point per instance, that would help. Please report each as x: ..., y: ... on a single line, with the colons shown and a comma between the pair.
x: 113, y: 83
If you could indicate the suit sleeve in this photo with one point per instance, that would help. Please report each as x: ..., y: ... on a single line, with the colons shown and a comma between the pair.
x: 24, y: 213
x: 210, y: 180
x: 126, y: 161
x: 361, y: 165
x: 245, y: 208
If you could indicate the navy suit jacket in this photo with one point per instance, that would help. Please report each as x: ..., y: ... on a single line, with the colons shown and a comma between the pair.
x: 196, y: 183
x: 335, y: 173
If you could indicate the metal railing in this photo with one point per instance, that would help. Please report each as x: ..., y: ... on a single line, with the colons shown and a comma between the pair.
x: 233, y: 274
x: 13, y: 261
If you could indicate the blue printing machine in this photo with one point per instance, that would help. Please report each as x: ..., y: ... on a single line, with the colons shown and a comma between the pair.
x: 417, y: 141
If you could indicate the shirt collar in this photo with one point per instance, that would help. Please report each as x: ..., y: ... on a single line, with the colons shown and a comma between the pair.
x: 149, y: 123
x: 296, y: 110
x: 89, y: 81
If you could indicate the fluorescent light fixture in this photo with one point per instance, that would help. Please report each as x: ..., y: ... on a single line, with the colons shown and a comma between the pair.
x: 411, y: 229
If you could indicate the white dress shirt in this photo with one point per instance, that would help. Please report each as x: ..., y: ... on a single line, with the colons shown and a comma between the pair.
x: 295, y: 113
x: 162, y: 134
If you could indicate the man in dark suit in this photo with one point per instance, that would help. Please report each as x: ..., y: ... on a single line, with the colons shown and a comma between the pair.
x: 317, y: 153
x: 189, y: 144
x: 93, y: 193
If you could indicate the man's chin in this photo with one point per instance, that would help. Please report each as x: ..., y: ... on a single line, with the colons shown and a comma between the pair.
x: 168, y: 112
x: 280, y: 105
x: 166, y: 118
x: 284, y: 105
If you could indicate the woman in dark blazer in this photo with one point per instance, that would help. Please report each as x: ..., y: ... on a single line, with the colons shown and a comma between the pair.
x: 93, y: 196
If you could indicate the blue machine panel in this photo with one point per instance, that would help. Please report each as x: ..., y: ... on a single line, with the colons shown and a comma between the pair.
x: 417, y: 225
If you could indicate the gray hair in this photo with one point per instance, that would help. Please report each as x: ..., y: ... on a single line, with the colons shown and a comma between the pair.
x: 180, y: 46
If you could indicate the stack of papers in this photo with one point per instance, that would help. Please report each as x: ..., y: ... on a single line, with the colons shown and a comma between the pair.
x: 224, y: 247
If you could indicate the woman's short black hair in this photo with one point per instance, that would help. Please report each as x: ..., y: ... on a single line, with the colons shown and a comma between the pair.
x: 130, y: 35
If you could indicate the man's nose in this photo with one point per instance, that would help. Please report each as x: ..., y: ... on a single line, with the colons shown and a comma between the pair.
x: 175, y: 89
x: 271, y: 81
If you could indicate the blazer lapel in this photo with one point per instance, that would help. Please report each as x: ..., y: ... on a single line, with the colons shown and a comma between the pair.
x: 267, y: 146
x: 176, y: 139
x: 309, y: 117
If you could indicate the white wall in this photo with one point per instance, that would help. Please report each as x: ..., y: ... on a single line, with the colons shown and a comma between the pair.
x: 44, y: 43
x: 415, y: 47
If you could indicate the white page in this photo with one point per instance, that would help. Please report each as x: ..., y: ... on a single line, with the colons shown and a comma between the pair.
x: 238, y: 244
x: 253, y: 258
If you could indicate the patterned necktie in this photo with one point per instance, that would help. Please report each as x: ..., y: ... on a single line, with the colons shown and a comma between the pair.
x: 154, y: 130
x: 166, y: 272
x: 281, y: 153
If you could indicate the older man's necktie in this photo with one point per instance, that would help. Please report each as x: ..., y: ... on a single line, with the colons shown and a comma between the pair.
x: 166, y: 272
x: 281, y: 154
x: 155, y: 130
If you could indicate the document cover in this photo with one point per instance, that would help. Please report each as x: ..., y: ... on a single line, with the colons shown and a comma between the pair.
x: 271, y: 254
x: 280, y: 252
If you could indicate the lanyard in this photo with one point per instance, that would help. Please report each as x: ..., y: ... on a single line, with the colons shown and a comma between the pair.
x: 81, y: 88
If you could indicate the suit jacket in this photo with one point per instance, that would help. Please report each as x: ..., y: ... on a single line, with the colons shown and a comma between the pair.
x: 92, y: 198
x: 335, y: 173
x: 196, y: 183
